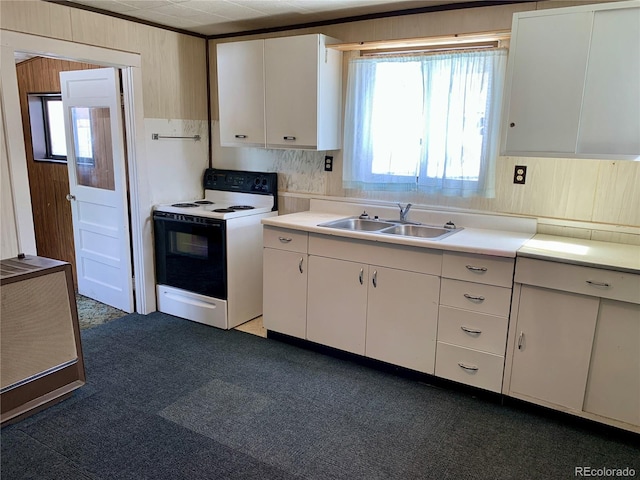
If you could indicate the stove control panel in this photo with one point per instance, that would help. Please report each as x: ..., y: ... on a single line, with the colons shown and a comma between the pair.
x: 265, y: 183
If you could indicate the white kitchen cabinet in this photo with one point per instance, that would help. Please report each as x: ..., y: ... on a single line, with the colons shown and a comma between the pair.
x: 281, y: 92
x: 402, y: 318
x: 285, y: 273
x: 613, y: 387
x: 475, y: 301
x: 374, y: 300
x: 574, y: 340
x: 573, y: 86
x: 337, y: 303
x: 241, y: 93
x: 554, y: 333
x: 303, y: 93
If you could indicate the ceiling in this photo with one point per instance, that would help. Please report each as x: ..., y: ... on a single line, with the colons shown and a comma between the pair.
x: 232, y: 17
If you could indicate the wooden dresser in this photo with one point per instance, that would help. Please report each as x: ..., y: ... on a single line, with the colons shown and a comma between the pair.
x: 41, y: 353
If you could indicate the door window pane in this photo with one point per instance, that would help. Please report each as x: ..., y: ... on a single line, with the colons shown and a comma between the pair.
x: 93, y: 147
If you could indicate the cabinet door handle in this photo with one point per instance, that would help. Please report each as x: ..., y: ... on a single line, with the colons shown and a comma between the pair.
x: 289, y: 137
x: 473, y: 268
x: 375, y: 279
x: 300, y: 265
x: 598, y: 284
x: 477, y: 298
x: 361, y: 276
x: 470, y: 330
x: 240, y: 136
x: 285, y: 239
x: 520, y: 340
x: 471, y: 368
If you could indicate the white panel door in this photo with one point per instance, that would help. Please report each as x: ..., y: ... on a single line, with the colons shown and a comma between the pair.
x: 97, y: 183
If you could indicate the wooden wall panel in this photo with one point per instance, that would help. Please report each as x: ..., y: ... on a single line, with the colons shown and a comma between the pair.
x: 48, y: 182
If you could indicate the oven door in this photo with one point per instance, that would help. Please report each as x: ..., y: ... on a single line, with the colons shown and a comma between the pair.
x: 190, y: 253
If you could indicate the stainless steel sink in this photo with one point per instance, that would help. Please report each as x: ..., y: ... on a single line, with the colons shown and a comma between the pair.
x: 358, y: 224
x: 421, y: 231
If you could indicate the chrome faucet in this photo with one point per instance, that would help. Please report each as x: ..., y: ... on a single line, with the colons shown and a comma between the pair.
x: 404, y: 212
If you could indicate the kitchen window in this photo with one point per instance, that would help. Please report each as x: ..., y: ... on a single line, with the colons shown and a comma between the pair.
x: 425, y: 123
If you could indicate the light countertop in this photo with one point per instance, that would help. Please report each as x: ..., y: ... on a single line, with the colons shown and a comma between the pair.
x: 588, y: 253
x: 471, y: 240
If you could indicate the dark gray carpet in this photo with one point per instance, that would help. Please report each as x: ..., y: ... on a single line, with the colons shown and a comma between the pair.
x: 171, y: 399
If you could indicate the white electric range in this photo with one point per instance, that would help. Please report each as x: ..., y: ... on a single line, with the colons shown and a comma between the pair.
x: 209, y: 252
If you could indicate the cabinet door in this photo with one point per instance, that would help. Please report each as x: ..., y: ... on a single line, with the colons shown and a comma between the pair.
x: 241, y: 93
x: 402, y: 318
x: 554, y: 333
x: 613, y: 390
x: 547, y: 62
x: 285, y: 292
x: 610, y: 122
x: 337, y: 303
x: 291, y: 81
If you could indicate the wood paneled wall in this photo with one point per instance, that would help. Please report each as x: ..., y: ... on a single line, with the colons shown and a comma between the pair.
x: 49, y: 182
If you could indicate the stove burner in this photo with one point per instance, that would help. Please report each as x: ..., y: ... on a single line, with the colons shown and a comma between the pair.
x: 184, y: 205
x: 241, y: 207
x: 204, y: 202
x: 223, y: 210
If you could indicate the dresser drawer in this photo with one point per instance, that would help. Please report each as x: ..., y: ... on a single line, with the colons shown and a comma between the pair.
x: 578, y: 279
x: 487, y: 333
x: 471, y: 367
x: 478, y: 268
x: 285, y: 239
x: 476, y: 297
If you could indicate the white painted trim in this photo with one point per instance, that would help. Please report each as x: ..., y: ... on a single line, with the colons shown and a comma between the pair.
x: 141, y: 225
x: 140, y: 195
x: 79, y: 52
x: 23, y: 211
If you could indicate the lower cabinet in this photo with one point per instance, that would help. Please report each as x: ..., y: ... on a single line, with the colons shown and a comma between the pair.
x: 574, y: 341
x: 285, y: 271
x: 285, y: 292
x: 613, y: 386
x: 379, y: 312
x: 554, y: 338
x: 337, y: 303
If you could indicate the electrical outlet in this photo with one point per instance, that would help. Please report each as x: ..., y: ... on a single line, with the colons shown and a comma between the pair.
x: 328, y: 163
x: 520, y: 174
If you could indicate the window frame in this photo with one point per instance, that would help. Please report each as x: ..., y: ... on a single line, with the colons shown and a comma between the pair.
x: 40, y: 127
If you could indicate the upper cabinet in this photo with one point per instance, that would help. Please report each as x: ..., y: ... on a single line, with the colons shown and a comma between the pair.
x: 573, y: 87
x: 280, y: 93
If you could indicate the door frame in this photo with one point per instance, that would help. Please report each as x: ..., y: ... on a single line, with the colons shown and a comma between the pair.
x: 139, y: 193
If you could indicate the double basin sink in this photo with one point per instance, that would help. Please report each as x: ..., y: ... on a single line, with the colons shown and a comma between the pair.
x: 404, y: 229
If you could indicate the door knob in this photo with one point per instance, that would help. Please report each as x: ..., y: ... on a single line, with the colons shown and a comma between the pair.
x: 70, y: 197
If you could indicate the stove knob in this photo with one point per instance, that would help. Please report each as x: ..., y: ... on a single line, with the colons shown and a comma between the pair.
x: 257, y: 181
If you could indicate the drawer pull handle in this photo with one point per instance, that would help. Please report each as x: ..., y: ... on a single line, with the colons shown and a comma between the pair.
x: 471, y: 368
x: 520, y: 340
x: 289, y: 137
x: 300, y: 265
x: 240, y: 136
x: 470, y: 330
x: 598, y: 284
x: 375, y: 279
x: 476, y: 298
x: 285, y: 239
x: 476, y: 269
x: 360, y: 277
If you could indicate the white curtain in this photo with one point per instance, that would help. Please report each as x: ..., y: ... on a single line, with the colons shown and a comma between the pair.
x: 426, y: 122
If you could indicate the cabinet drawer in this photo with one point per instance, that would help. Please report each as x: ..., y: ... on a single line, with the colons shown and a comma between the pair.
x: 487, y: 333
x: 476, y: 297
x: 285, y: 239
x: 464, y: 365
x: 478, y: 268
x: 596, y: 282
